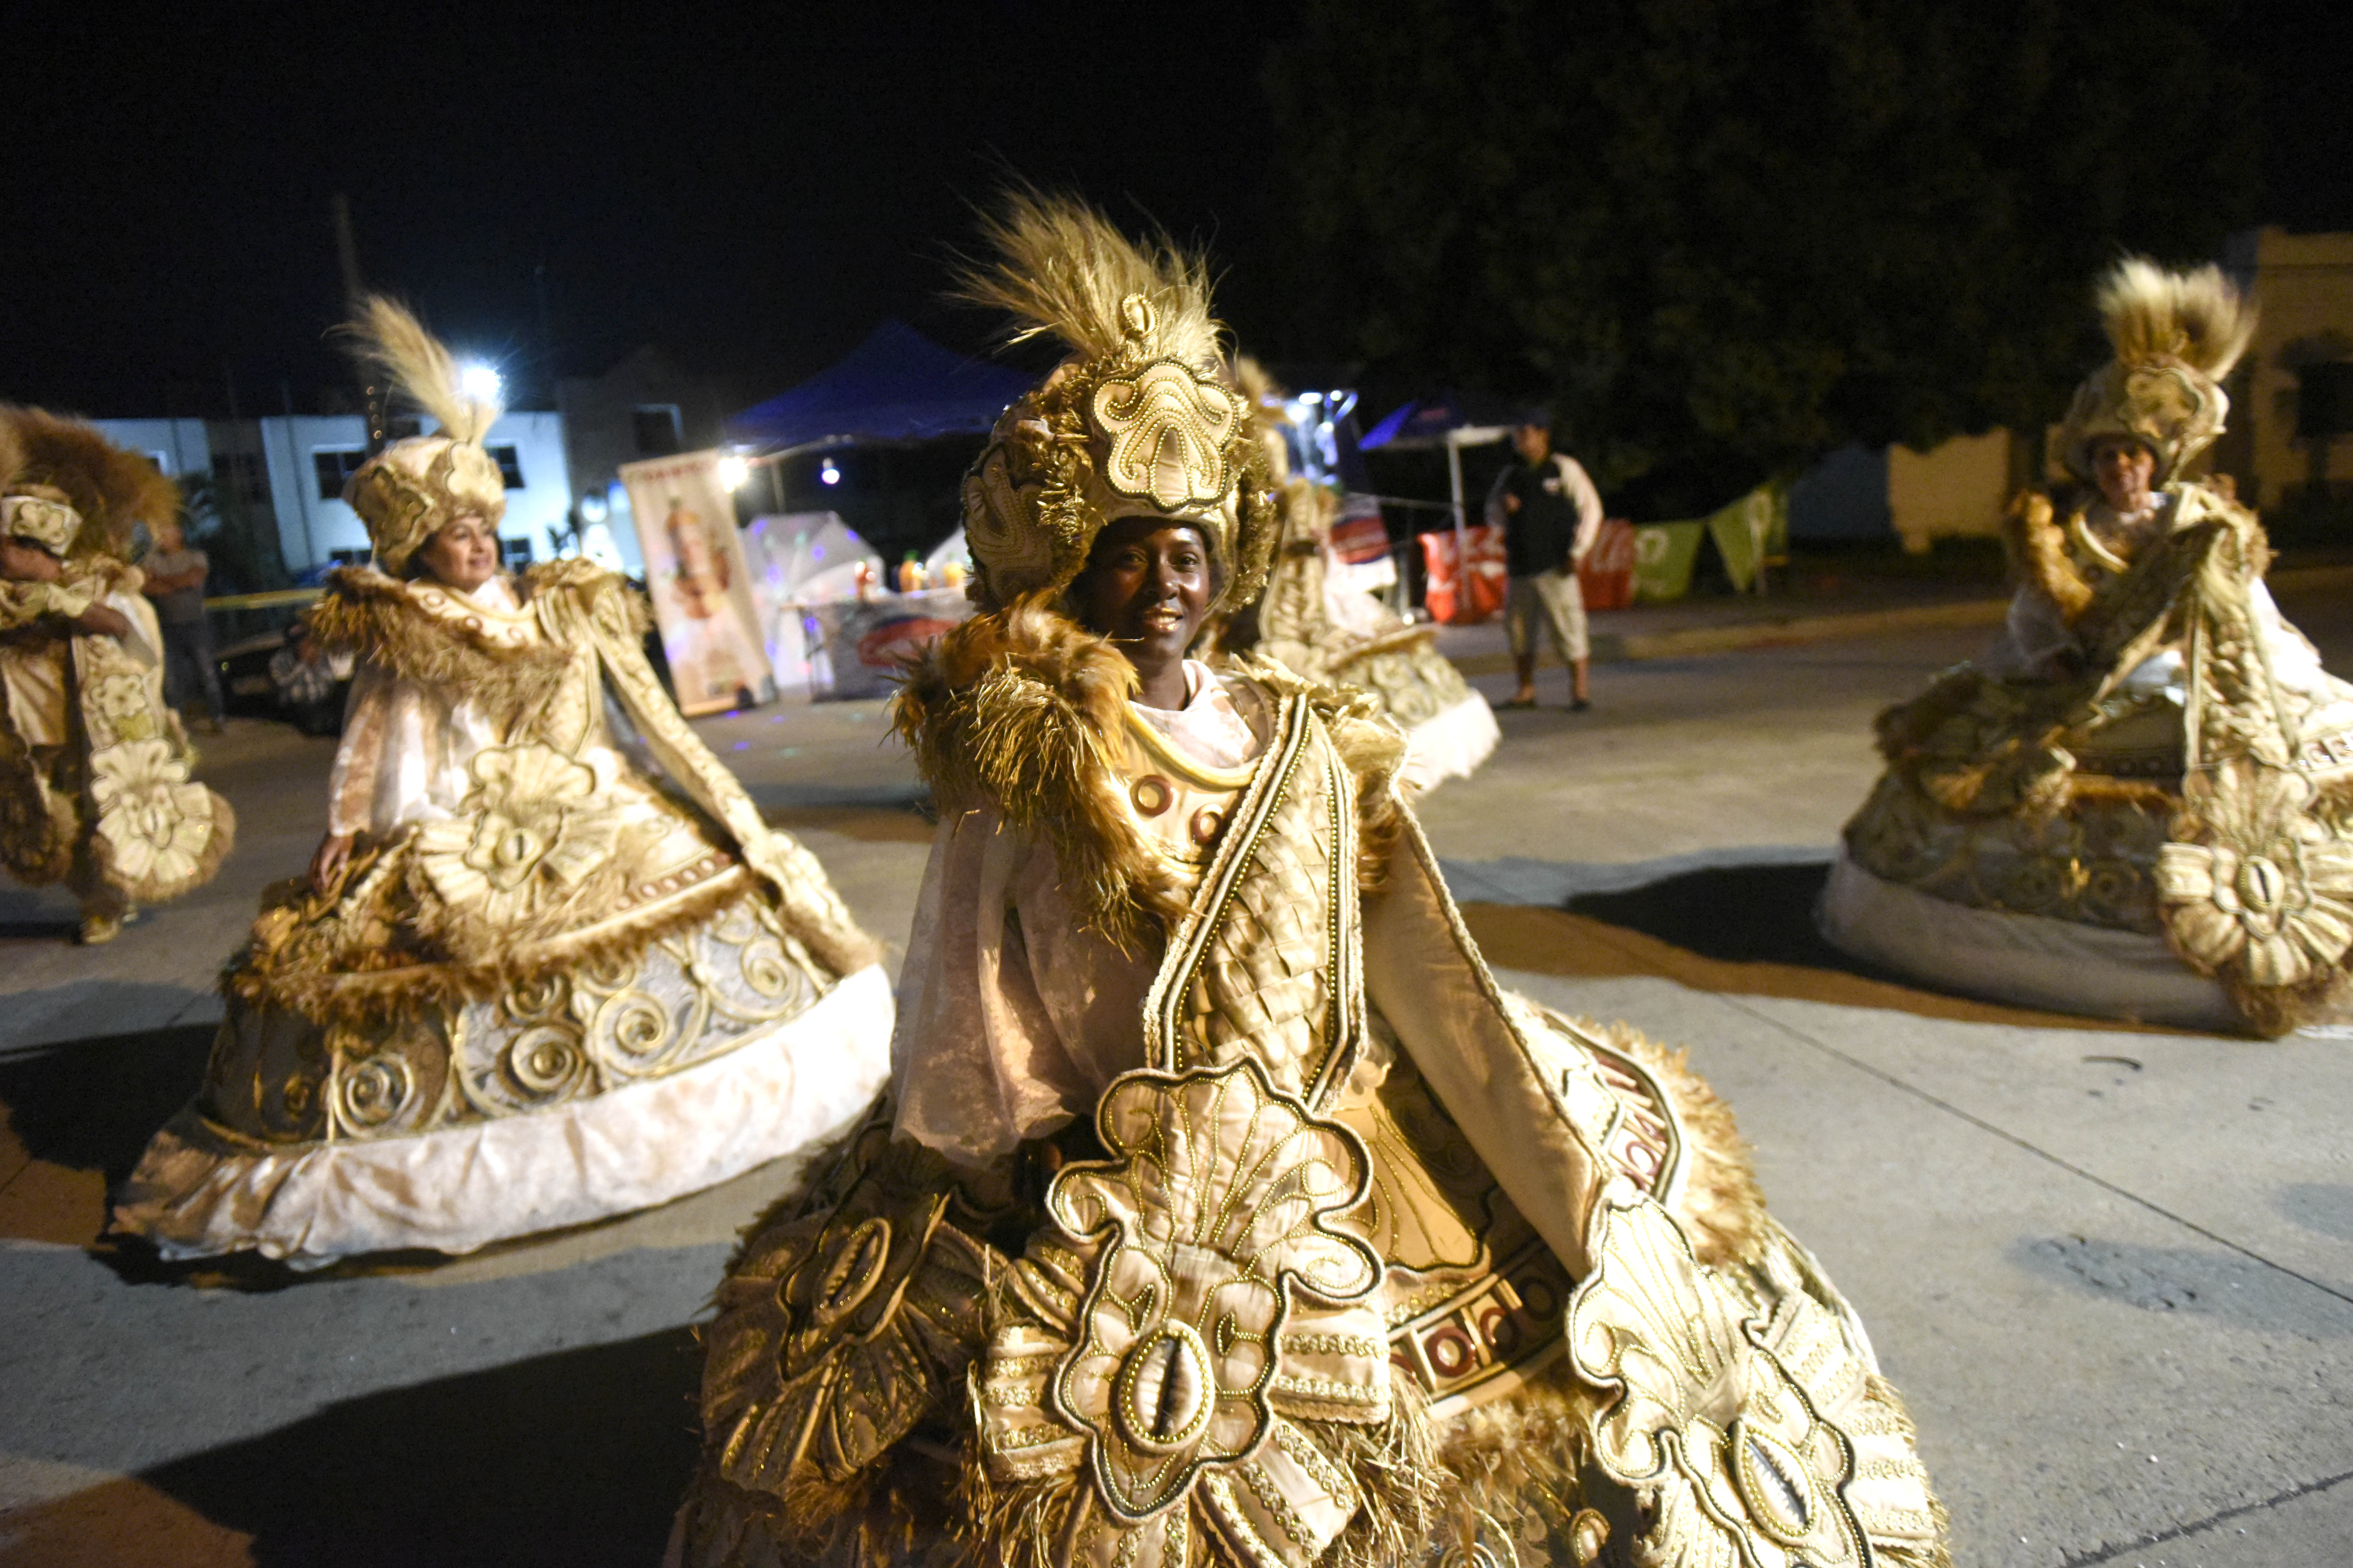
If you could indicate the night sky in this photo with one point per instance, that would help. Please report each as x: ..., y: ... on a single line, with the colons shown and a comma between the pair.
x: 752, y: 190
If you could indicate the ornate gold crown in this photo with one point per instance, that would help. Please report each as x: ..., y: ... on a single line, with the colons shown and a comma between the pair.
x: 2176, y: 335
x: 413, y: 489
x: 45, y: 518
x: 1139, y: 420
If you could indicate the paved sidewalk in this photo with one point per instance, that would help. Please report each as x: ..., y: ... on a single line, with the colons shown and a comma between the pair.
x: 2112, y: 1269
x: 1850, y: 608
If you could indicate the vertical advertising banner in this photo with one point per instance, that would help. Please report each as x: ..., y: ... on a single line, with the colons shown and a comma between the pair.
x: 700, y: 586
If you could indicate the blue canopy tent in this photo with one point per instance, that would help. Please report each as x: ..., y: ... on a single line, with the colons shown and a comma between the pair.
x: 897, y: 385
x: 1442, y: 421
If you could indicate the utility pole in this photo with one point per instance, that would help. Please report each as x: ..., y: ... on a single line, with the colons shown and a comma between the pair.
x: 546, y: 334
x: 374, y: 400
x: 347, y: 252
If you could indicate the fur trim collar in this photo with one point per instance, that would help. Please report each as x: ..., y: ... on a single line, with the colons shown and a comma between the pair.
x: 1024, y: 712
x: 425, y: 634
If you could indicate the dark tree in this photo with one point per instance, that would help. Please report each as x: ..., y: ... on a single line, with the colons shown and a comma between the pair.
x: 1721, y: 237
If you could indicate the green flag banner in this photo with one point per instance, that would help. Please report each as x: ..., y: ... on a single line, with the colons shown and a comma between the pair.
x: 1663, y: 554
x: 1749, y: 529
x: 1746, y: 533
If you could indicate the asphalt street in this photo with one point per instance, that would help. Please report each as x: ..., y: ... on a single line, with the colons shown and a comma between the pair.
x: 2111, y: 1267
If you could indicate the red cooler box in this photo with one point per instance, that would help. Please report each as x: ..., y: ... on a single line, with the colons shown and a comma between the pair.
x: 1466, y: 593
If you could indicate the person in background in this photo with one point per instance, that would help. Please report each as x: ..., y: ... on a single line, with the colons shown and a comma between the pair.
x: 1550, y: 514
x: 175, y: 581
x: 310, y: 689
x: 94, y: 787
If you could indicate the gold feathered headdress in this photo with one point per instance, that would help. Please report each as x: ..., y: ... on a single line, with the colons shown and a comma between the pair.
x: 1138, y: 420
x: 2176, y: 335
x: 70, y: 489
x: 410, y: 491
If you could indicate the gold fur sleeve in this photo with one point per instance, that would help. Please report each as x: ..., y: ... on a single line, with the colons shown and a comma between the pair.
x: 600, y: 609
x: 2039, y: 551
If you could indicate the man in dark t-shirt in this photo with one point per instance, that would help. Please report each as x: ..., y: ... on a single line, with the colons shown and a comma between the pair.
x: 1550, y: 514
x: 175, y: 581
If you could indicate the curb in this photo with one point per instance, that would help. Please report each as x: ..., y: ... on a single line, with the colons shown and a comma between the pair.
x: 1625, y: 647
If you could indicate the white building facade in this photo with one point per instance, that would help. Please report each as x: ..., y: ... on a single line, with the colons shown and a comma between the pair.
x: 290, y: 469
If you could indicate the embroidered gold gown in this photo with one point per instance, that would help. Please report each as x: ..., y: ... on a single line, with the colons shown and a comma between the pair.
x: 1225, y: 1211
x: 94, y: 787
x: 1310, y: 624
x: 2140, y: 804
x: 568, y: 972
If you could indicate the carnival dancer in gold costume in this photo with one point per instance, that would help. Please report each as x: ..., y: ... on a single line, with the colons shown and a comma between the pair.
x: 1223, y: 1210
x: 94, y: 787
x: 2140, y: 802
x: 1309, y: 623
x: 526, y: 982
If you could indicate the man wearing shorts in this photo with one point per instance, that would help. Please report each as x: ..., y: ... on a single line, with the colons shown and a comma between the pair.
x: 1550, y: 514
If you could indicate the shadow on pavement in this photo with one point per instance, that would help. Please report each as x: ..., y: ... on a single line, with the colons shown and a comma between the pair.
x: 1734, y: 914
x: 571, y: 1460
x: 1741, y: 929
x: 2175, y: 1279
x: 91, y: 1105
x: 43, y: 913
x: 2322, y: 1206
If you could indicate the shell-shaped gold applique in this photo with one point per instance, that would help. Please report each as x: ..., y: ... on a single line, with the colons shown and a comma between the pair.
x: 1168, y: 430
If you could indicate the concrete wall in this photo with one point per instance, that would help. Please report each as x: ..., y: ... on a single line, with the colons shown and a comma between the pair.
x: 600, y: 431
x: 1843, y: 497
x: 180, y: 447
x: 2302, y: 286
x: 312, y: 529
x: 1957, y: 489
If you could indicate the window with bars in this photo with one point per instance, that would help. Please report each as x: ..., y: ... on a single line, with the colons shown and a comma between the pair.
x: 2324, y: 400
x: 654, y: 427
x: 335, y: 465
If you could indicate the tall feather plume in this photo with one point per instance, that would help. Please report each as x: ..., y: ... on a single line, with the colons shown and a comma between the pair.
x: 2196, y: 317
x: 1251, y: 380
x: 114, y: 489
x: 11, y: 451
x: 395, y: 342
x: 1063, y: 270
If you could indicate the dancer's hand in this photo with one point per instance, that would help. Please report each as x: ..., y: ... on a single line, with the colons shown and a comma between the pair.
x: 327, y: 865
x: 102, y: 621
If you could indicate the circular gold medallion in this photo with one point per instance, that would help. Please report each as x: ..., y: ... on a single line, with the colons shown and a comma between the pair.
x: 1152, y: 794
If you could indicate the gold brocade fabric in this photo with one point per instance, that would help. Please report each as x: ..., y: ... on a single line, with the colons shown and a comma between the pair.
x: 1271, y: 1308
x: 94, y: 765
x: 1396, y: 664
x: 2217, y: 810
x: 568, y: 929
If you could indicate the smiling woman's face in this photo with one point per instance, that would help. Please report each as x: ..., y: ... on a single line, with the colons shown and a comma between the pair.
x: 2122, y: 470
x: 463, y: 552
x: 1147, y: 587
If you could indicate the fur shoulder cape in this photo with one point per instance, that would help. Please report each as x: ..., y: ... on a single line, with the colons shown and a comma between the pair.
x: 2036, y: 538
x: 378, y: 618
x: 1024, y: 712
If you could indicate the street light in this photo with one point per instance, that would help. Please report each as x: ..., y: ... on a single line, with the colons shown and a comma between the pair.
x: 732, y: 472
x: 478, y: 382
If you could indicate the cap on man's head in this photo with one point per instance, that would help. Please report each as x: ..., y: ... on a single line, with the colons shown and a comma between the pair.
x: 1536, y: 418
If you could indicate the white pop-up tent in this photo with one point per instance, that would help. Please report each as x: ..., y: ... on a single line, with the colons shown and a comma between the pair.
x: 799, y: 559
x: 807, y: 557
